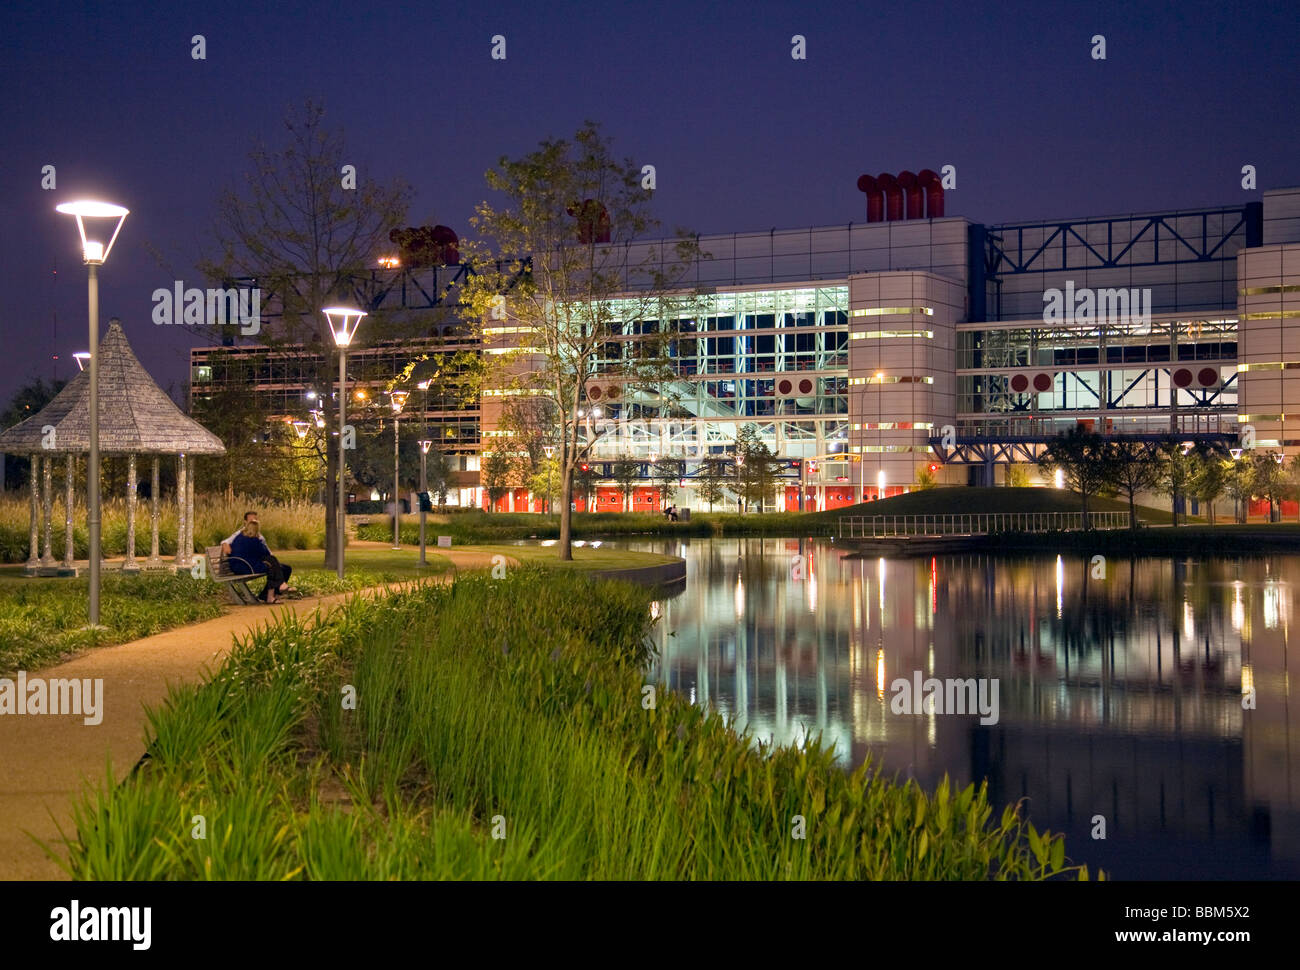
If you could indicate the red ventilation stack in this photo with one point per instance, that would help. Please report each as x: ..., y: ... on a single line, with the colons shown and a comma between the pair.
x: 875, y: 198
x: 893, y: 196
x: 915, y: 198
x: 930, y: 183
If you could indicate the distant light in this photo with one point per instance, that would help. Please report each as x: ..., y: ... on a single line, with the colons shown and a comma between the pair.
x: 1058, y: 478
x: 389, y: 262
x: 374, y: 495
x: 311, y: 395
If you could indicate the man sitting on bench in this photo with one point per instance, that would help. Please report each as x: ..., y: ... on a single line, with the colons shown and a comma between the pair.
x: 229, y: 541
x: 249, y: 553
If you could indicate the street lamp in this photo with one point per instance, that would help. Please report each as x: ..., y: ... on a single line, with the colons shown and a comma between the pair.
x: 94, y: 253
x: 343, y: 325
x: 425, y: 445
x: 81, y: 357
x: 300, y: 428
x: 397, y: 399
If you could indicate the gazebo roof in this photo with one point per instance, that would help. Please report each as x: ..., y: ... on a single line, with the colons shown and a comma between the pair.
x: 135, y: 415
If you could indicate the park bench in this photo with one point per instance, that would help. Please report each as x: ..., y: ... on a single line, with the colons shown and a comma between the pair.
x: 236, y: 583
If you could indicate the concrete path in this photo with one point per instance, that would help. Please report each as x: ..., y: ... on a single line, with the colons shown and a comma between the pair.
x: 45, y: 759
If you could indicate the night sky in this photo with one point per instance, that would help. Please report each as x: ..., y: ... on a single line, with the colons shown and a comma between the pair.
x: 743, y: 137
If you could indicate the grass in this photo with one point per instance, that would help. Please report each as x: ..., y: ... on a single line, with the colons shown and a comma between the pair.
x: 500, y: 731
x: 43, y: 621
x: 286, y: 525
x: 389, y: 565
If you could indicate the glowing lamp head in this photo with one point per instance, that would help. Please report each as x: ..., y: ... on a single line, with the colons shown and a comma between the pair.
x: 82, y: 358
x: 397, y: 400
x: 93, y: 249
x: 425, y: 445
x: 343, y: 323
x: 550, y: 450
x: 424, y: 385
x: 300, y: 427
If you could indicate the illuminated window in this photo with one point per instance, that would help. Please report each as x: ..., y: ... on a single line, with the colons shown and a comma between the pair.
x: 912, y: 334
x: 880, y: 311
x: 1258, y: 290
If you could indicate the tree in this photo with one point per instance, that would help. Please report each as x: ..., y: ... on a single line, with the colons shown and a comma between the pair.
x: 1017, y: 476
x: 545, y: 480
x: 1209, y: 482
x: 1240, y: 484
x: 709, y: 479
x: 305, y: 238
x: 756, y: 467
x: 584, y: 484
x: 1084, y: 459
x: 925, y: 479
x: 667, y: 473
x: 438, y: 476
x: 553, y: 263
x: 28, y: 400
x: 1269, y: 481
x: 627, y: 473
x: 496, y: 470
x: 1179, y: 471
x: 1136, y: 468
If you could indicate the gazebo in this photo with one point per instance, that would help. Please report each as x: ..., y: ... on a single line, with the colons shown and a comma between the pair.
x: 136, y: 418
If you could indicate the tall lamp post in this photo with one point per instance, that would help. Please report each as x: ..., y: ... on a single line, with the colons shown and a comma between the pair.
x: 397, y: 399
x: 425, y: 445
x: 343, y: 325
x: 94, y: 253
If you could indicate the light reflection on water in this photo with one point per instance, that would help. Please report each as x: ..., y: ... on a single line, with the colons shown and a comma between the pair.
x: 1118, y: 696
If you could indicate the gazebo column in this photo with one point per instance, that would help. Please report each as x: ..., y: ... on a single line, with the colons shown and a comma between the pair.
x: 154, y: 560
x: 69, y: 481
x: 129, y: 565
x: 189, y: 477
x: 34, y: 559
x: 182, y: 503
x: 47, y: 501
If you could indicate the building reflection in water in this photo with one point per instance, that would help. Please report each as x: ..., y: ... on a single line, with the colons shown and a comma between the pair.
x: 1120, y: 696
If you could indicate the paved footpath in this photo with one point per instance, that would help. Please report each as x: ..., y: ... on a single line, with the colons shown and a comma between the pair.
x: 44, y: 760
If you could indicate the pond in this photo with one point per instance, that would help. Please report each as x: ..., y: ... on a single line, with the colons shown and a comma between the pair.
x: 1147, y: 698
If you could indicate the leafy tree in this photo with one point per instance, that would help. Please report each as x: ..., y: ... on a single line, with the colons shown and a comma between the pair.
x: 1084, y: 459
x: 667, y: 472
x: 574, y: 206
x: 1017, y: 476
x: 1136, y: 468
x: 756, y: 467
x: 1240, y: 484
x: 305, y: 238
x: 1269, y: 481
x: 1209, y: 482
x: 627, y: 473
x: 28, y: 400
x: 584, y: 484
x: 373, y: 465
x: 545, y: 480
x: 1179, y: 471
x: 496, y: 470
x: 709, y: 481
x: 925, y: 479
x: 438, y: 476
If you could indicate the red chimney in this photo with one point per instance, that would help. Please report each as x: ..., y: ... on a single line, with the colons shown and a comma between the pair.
x: 915, y: 197
x: 875, y: 198
x: 932, y: 185
x: 893, y: 196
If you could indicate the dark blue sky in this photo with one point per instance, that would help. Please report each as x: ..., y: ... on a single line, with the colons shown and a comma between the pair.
x: 743, y: 137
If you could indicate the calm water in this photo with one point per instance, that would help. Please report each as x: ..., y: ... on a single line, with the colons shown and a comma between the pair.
x: 1119, y: 697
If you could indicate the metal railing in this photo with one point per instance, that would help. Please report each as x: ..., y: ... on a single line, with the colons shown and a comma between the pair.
x: 973, y: 523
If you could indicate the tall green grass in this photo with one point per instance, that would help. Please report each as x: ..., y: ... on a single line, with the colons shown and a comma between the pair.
x: 508, y: 708
x: 286, y: 525
x: 44, y: 621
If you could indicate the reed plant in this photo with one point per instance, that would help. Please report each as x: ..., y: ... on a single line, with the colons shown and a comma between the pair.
x: 285, y: 525
x: 500, y: 729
